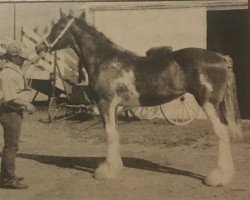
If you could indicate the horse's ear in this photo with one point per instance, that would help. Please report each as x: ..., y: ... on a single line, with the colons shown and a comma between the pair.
x: 82, y: 16
x: 62, y: 14
x: 71, y: 13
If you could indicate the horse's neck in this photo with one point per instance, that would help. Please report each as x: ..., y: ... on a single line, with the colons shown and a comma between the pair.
x: 75, y: 47
x: 92, y: 41
x: 92, y: 45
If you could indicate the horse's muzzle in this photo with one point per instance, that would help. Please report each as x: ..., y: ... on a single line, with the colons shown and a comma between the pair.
x: 41, y: 47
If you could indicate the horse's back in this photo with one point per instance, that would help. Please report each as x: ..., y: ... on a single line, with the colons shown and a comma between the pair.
x: 198, y: 56
x: 159, y: 52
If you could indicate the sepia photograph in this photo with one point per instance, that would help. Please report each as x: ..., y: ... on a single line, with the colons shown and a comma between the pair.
x: 125, y: 100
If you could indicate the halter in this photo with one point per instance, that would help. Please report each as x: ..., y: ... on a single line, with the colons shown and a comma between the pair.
x: 51, y: 45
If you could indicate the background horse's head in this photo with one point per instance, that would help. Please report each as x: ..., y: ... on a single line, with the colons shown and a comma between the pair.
x: 59, y: 36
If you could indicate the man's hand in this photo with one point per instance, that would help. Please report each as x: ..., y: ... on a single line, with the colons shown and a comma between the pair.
x: 30, y: 108
x: 25, y: 105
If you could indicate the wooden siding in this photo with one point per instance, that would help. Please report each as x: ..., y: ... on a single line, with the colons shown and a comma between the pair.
x: 210, y: 5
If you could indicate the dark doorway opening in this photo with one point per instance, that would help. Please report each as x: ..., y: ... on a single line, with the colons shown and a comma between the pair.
x: 227, y: 34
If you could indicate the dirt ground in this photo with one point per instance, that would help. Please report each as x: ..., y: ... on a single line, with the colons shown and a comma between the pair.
x: 162, y: 161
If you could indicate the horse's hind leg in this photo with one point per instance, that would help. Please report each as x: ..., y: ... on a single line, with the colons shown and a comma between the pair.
x: 113, y: 164
x: 224, y: 172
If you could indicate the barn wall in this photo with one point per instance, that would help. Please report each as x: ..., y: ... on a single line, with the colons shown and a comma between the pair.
x: 139, y: 30
x: 216, y: 25
x: 227, y: 33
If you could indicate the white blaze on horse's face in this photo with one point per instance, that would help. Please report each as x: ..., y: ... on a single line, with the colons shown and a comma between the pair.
x: 205, y: 82
x: 54, y: 40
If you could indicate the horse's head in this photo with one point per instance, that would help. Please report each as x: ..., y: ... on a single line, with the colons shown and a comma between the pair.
x: 59, y: 36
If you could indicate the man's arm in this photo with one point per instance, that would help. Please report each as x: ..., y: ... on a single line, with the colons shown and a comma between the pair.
x: 9, y: 92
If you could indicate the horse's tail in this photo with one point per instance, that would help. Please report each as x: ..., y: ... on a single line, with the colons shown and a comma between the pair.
x: 229, y: 106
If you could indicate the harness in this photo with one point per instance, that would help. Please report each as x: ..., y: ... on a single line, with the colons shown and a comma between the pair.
x: 51, y: 45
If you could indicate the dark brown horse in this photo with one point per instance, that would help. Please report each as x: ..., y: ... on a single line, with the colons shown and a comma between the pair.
x: 121, y: 78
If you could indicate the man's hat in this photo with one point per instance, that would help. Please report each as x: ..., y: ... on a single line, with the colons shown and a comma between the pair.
x: 17, y: 49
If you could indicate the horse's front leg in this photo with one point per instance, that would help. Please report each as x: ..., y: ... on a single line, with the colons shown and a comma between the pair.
x: 112, y: 166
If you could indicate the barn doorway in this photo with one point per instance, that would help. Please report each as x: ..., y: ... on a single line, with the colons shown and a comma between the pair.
x: 227, y: 34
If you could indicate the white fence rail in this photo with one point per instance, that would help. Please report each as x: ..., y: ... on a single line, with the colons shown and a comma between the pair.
x: 41, y: 70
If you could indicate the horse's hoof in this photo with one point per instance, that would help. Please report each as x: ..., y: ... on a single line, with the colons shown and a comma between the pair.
x: 106, y: 171
x: 219, y: 178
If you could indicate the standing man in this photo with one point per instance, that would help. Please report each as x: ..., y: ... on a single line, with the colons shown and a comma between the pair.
x: 13, y: 95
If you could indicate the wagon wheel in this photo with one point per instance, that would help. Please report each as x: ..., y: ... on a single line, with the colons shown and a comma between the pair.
x: 143, y: 112
x: 181, y: 111
x: 65, y: 111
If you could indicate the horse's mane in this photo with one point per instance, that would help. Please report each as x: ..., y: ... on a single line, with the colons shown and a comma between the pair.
x: 109, y: 47
x: 82, y: 24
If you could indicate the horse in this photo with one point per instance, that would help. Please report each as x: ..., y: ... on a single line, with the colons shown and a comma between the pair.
x: 119, y: 77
